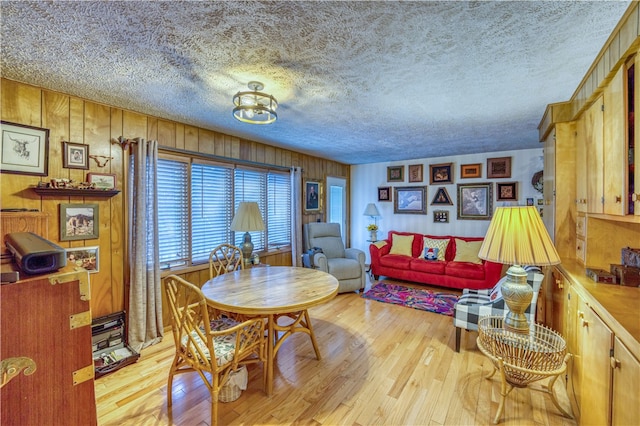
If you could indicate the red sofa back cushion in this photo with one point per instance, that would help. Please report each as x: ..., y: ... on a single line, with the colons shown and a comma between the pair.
x: 418, y: 242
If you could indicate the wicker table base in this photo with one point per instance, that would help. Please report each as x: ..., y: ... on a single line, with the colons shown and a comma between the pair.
x: 522, y: 359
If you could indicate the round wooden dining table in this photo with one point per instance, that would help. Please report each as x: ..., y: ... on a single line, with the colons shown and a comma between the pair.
x: 273, y: 292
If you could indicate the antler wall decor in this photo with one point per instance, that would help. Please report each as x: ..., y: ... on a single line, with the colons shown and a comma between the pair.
x: 98, y: 157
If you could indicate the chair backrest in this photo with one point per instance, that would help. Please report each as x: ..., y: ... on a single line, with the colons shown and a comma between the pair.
x: 327, y: 236
x: 225, y: 258
x: 190, y: 322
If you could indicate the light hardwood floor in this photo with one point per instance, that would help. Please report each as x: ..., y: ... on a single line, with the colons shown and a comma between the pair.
x: 382, y: 364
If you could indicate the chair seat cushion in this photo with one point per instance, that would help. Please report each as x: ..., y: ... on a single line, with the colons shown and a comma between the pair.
x: 428, y: 266
x: 344, y: 268
x: 225, y: 346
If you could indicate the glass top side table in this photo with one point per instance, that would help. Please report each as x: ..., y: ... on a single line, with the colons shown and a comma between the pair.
x: 522, y: 359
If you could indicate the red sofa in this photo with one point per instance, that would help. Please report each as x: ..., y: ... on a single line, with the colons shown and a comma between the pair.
x: 445, y: 273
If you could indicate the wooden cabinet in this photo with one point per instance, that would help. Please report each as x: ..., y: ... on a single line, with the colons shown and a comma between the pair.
x: 615, y: 153
x: 626, y: 376
x: 45, y: 348
x: 604, y: 372
x: 593, y: 138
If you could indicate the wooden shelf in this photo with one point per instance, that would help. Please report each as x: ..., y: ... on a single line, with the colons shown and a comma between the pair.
x: 68, y: 192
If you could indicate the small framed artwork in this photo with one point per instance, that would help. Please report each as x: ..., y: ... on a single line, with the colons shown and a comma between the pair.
x: 440, y: 216
x: 102, y: 180
x: 475, y: 201
x: 79, y: 222
x: 25, y: 149
x: 442, y: 197
x: 441, y: 173
x: 395, y: 174
x: 312, y: 196
x: 415, y: 173
x: 75, y: 155
x: 499, y: 167
x: 507, y: 191
x: 529, y: 201
x: 410, y: 199
x: 540, y: 201
x: 85, y: 257
x: 384, y: 193
x: 471, y: 171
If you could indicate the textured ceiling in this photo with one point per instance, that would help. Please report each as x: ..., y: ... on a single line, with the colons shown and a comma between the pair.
x: 357, y: 82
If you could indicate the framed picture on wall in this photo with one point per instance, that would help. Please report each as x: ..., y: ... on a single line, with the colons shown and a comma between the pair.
x: 475, y: 201
x: 75, y: 155
x: 499, y: 167
x: 471, y: 171
x: 442, y: 197
x: 395, y: 174
x: 25, y: 149
x: 85, y: 257
x: 384, y: 193
x: 440, y: 216
x: 507, y: 191
x: 415, y: 173
x: 410, y: 199
x: 312, y: 196
x: 102, y: 180
x: 79, y: 222
x: 441, y: 173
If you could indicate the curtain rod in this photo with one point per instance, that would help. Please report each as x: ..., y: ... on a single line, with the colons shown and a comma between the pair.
x: 224, y: 159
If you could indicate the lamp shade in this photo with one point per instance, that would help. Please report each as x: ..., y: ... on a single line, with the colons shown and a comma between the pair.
x: 371, y: 210
x: 517, y: 236
x: 247, y: 218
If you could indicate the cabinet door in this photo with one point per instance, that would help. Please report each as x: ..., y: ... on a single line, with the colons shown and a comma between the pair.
x: 615, y: 146
x: 581, y: 164
x: 549, y: 179
x: 626, y: 392
x: 596, y: 340
x: 594, y: 145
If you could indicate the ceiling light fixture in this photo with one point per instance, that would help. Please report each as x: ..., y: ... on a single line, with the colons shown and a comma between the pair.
x: 255, y: 107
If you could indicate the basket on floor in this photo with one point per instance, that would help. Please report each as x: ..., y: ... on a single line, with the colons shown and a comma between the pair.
x: 526, y: 357
x: 232, y: 389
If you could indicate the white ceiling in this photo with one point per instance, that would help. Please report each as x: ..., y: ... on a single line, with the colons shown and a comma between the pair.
x: 357, y: 82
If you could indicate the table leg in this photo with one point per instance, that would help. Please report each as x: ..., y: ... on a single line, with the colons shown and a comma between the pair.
x: 270, y: 354
x: 312, y: 334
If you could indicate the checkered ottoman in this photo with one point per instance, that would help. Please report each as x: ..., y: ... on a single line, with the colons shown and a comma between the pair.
x: 474, y: 304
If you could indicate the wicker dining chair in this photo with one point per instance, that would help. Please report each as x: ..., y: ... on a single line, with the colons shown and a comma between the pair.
x: 225, y: 258
x: 212, y: 347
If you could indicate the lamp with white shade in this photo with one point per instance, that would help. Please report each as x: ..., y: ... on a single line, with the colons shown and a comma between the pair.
x: 372, y: 211
x: 517, y: 237
x: 247, y: 219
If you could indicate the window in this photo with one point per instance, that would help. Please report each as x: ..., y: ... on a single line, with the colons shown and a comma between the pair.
x: 197, y: 201
x: 173, y: 213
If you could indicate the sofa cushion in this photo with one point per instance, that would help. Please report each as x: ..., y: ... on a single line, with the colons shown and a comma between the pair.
x: 401, y: 244
x: 428, y: 266
x: 465, y: 270
x: 439, y: 243
x: 467, y: 251
x: 396, y: 261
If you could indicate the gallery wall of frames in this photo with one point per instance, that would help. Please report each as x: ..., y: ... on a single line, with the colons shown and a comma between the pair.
x: 444, y: 196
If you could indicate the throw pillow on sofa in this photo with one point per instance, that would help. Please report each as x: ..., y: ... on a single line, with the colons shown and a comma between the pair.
x: 467, y: 251
x: 401, y: 244
x: 437, y: 243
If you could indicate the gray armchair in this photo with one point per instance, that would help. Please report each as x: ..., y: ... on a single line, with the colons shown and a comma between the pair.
x: 347, y: 265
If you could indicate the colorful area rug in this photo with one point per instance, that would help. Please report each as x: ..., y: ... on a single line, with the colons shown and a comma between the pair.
x: 425, y: 300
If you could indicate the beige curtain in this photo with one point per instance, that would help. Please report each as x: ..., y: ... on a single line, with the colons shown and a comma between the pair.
x: 296, y: 216
x: 145, y: 300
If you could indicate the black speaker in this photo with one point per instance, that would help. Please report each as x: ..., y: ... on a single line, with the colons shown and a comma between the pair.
x: 34, y: 254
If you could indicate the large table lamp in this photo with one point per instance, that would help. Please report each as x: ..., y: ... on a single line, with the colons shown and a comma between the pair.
x: 517, y: 237
x: 247, y: 219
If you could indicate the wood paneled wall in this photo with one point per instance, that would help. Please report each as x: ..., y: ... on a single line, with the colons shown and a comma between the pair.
x: 73, y: 119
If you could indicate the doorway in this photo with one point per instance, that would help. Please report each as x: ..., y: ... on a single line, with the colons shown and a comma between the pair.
x: 337, y: 203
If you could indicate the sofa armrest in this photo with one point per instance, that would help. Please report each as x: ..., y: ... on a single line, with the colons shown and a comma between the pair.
x: 320, y: 262
x: 492, y: 272
x: 355, y: 254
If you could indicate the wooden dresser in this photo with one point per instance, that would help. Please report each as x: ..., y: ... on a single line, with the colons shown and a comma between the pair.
x: 45, y: 350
